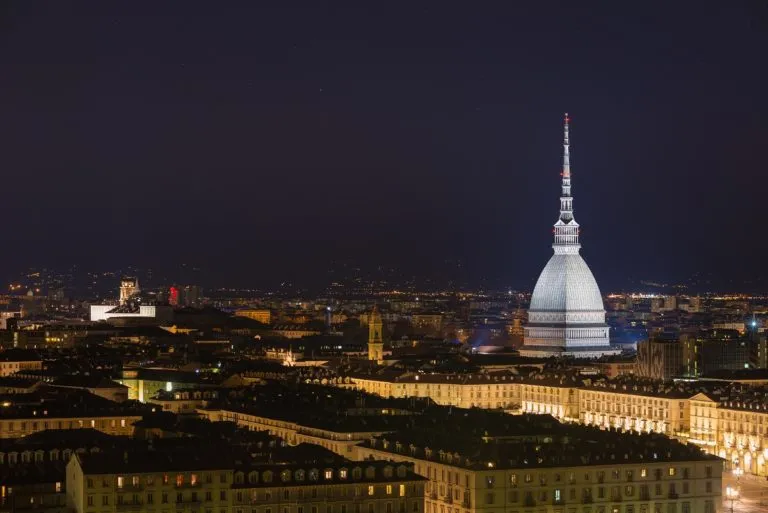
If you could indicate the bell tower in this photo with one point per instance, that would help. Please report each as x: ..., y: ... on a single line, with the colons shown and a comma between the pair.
x: 375, y: 340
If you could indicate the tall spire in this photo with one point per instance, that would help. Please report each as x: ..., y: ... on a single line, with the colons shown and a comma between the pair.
x: 566, y: 228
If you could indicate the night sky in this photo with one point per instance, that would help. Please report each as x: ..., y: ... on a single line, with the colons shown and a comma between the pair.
x: 264, y: 143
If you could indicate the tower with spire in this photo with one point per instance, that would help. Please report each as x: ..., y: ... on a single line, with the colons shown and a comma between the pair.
x: 566, y: 227
x: 375, y: 338
x: 566, y: 316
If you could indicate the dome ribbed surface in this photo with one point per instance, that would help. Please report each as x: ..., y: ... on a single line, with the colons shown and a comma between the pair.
x: 566, y: 284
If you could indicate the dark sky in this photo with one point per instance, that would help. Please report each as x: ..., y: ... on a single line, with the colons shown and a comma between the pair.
x: 262, y: 143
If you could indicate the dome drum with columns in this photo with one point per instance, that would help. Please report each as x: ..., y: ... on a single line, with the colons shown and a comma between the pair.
x: 566, y: 316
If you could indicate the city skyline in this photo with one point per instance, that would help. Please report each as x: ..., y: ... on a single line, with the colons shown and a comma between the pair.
x: 318, y: 258
x: 265, y: 143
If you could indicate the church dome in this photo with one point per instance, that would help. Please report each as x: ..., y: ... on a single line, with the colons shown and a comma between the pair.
x: 566, y: 285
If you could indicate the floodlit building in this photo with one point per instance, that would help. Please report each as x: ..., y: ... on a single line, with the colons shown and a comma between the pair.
x: 567, y: 315
x: 130, y: 307
x: 375, y: 338
x: 263, y: 315
x: 532, y: 464
x: 129, y: 287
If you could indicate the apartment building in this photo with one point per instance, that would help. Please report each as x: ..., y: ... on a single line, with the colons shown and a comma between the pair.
x: 573, y: 469
x: 208, y: 482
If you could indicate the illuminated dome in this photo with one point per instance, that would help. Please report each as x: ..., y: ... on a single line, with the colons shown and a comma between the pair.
x: 566, y: 285
x: 566, y: 316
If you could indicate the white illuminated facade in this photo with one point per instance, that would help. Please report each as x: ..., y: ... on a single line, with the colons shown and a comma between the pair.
x: 130, y: 306
x: 566, y: 316
x: 104, y: 312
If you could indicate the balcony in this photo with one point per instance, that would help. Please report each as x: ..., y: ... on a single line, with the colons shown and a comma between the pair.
x: 674, y: 495
x: 186, y: 484
x: 529, y: 502
x: 587, y: 499
x: 128, y: 487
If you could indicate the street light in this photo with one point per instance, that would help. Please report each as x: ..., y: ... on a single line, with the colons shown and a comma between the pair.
x: 731, y: 494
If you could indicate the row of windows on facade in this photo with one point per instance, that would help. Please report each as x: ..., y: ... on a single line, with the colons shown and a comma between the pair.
x: 62, y: 424
x: 330, y: 508
x: 617, y: 493
x: 193, y: 497
x: 669, y: 507
x: 629, y: 475
x: 254, y: 476
x: 39, y: 455
x: 6, y: 492
x: 528, y: 477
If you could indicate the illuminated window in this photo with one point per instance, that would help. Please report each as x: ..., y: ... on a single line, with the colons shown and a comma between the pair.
x: 643, y: 472
x: 370, y: 490
x: 389, y: 489
x: 329, y: 474
x: 165, y: 479
x: 402, y: 490
x: 672, y: 471
x: 120, y: 481
x: 193, y: 480
x: 179, y: 479
x: 58, y: 486
x: 135, y: 480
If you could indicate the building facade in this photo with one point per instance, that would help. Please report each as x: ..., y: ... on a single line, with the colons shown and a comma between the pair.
x: 96, y: 485
x: 733, y: 427
x: 460, y: 484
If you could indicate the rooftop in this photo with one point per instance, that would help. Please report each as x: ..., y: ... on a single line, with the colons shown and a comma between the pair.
x: 534, y: 444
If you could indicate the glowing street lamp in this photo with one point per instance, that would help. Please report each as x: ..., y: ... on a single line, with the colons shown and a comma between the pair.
x: 731, y: 494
